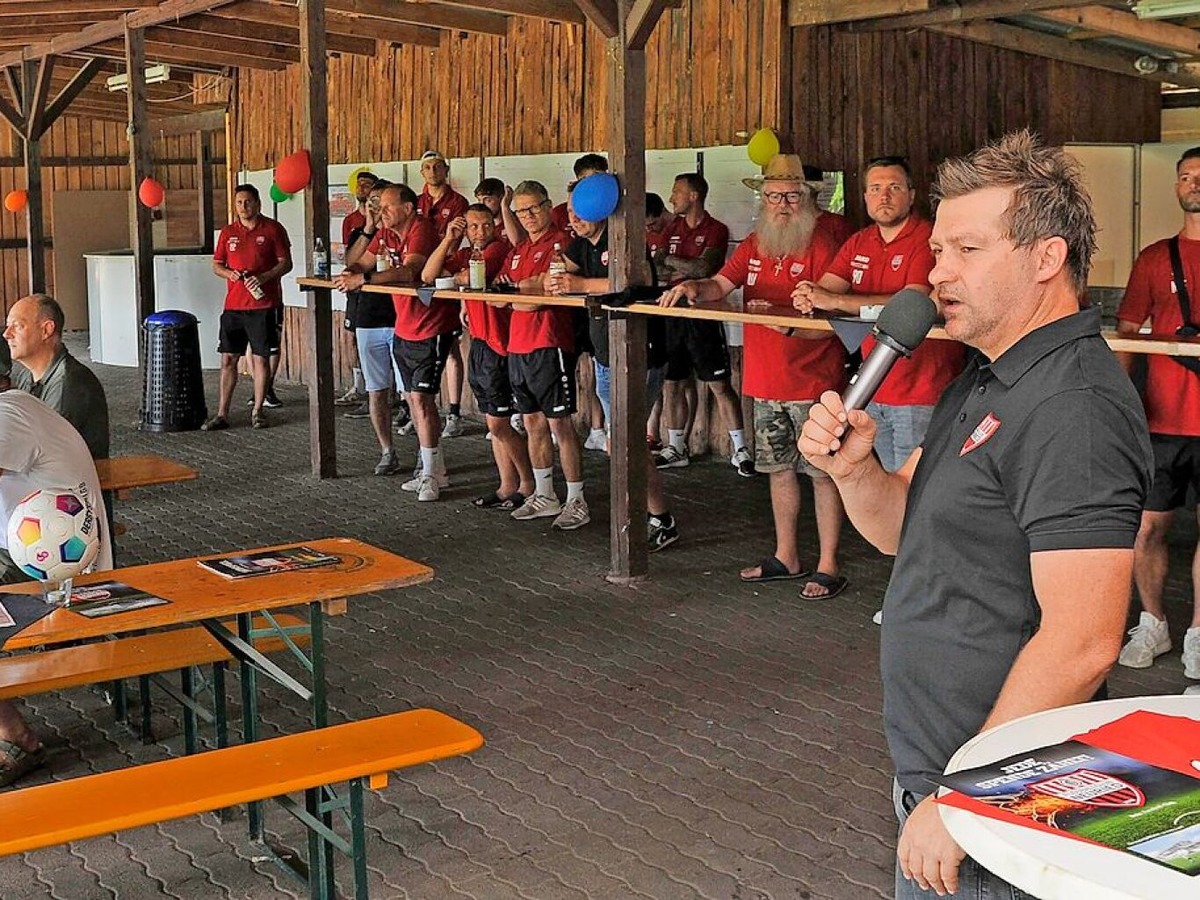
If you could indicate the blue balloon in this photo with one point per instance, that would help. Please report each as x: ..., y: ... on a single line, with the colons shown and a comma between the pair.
x: 595, y: 197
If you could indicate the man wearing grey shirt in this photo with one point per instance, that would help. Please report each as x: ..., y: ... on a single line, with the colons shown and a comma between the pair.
x: 52, y: 374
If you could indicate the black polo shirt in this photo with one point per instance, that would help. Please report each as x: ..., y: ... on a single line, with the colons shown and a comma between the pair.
x: 1044, y: 449
x: 592, y: 260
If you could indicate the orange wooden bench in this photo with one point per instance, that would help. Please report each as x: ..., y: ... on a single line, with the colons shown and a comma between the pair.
x: 95, y: 805
x: 143, y: 656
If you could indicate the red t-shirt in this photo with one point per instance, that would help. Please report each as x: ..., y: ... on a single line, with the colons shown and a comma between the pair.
x: 550, y: 327
x: 874, y: 267
x: 355, y: 220
x: 691, y: 243
x: 774, y: 366
x: 252, y: 251
x: 487, y: 321
x: 835, y: 225
x: 656, y: 240
x: 451, y: 205
x: 561, y: 219
x: 414, y: 320
x: 1172, y: 394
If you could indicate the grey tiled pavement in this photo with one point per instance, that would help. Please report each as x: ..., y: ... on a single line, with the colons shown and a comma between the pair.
x: 690, y: 737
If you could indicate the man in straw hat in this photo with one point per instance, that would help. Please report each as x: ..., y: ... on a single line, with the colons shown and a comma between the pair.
x: 783, y: 369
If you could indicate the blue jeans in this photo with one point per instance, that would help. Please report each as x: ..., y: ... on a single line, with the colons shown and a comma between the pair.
x: 974, y: 881
x: 899, y: 431
x: 654, y: 385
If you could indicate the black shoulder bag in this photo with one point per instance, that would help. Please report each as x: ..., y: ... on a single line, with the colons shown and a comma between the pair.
x: 1188, y: 328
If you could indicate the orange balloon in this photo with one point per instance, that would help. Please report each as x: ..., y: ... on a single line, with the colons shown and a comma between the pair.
x: 293, y: 172
x: 151, y: 192
x: 14, y: 201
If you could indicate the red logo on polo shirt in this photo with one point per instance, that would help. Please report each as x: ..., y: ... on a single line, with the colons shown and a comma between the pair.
x: 897, y: 261
x: 516, y: 261
x: 981, y: 435
x: 797, y: 268
x: 604, y: 258
x: 233, y: 245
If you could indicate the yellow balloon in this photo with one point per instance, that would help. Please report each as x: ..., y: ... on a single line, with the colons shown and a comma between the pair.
x: 352, y: 181
x: 763, y: 145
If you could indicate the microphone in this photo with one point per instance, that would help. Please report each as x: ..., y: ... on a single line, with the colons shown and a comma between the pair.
x: 902, y: 326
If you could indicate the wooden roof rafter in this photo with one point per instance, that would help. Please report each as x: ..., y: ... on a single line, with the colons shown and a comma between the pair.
x: 336, y: 23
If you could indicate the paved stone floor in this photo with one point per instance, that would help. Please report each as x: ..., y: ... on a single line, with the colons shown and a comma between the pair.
x: 691, y: 737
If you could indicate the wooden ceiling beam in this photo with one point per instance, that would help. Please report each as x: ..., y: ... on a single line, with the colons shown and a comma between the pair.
x: 200, y: 60
x: 426, y: 14
x: 168, y: 11
x: 244, y: 31
x: 556, y: 10
x: 963, y: 12
x: 827, y: 12
x: 643, y: 15
x: 73, y: 88
x: 1035, y: 43
x: 1126, y: 25
x: 602, y: 14
x: 24, y: 9
x: 336, y: 23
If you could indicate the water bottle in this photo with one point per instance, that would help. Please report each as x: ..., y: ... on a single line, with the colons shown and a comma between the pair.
x: 320, y: 260
x: 477, y: 269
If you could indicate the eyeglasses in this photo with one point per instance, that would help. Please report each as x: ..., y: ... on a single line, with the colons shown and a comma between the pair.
x: 777, y: 197
x: 530, y: 210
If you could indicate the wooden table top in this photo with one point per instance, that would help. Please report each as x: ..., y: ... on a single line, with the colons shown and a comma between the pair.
x: 195, y: 593
x: 517, y: 298
x: 142, y: 470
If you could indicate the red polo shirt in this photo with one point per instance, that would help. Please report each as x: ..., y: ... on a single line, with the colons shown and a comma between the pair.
x: 774, y: 366
x: 1172, y: 394
x: 550, y: 327
x: 355, y: 220
x: 835, y: 225
x: 487, y: 321
x: 691, y: 243
x: 656, y: 240
x: 441, y: 213
x: 874, y: 267
x: 414, y: 320
x: 252, y: 251
x: 561, y: 219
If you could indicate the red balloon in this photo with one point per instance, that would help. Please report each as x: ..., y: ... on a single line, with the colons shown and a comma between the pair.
x: 293, y: 172
x: 151, y: 193
x: 14, y: 201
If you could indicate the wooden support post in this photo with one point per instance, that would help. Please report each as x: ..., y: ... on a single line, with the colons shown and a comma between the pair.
x: 34, y: 223
x: 141, y: 235
x: 626, y: 59
x: 318, y: 347
x: 204, y: 185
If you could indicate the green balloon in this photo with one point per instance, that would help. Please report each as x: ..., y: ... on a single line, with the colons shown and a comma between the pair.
x: 278, y: 195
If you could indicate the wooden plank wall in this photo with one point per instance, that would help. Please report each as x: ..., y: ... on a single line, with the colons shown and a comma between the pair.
x: 465, y: 99
x: 928, y: 96
x: 91, y: 154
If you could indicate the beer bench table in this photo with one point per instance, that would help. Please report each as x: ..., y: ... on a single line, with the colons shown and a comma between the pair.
x: 313, y: 761
x: 123, y: 473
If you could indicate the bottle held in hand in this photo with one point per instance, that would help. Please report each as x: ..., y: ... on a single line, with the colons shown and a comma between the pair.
x: 477, y: 270
x: 558, y: 263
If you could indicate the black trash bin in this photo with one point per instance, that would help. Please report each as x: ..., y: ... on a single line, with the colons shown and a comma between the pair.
x: 172, y: 383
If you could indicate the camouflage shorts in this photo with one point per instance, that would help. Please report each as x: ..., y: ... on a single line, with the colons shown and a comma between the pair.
x: 777, y: 425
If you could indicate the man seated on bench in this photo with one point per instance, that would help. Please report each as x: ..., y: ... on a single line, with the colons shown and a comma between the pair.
x: 49, y: 372
x: 39, y: 449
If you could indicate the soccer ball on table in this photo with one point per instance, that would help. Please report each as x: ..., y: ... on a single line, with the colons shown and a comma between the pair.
x: 53, y: 535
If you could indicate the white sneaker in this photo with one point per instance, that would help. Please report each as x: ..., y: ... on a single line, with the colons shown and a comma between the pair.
x: 574, y: 515
x: 537, y: 507
x: 670, y: 458
x: 596, y: 440
x: 1191, y: 653
x: 1148, y: 639
x: 415, y: 484
x: 878, y: 617
x: 352, y: 397
x: 428, y: 489
x: 408, y: 426
x: 743, y: 462
x: 453, y: 427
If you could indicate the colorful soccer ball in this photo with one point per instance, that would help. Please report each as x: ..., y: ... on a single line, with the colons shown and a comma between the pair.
x: 53, y: 535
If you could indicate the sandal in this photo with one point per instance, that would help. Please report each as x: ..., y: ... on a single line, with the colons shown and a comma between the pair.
x: 487, y: 501
x: 833, y: 585
x: 516, y: 501
x: 16, y: 762
x: 771, y: 569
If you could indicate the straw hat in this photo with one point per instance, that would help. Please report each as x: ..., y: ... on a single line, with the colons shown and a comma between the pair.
x: 782, y: 167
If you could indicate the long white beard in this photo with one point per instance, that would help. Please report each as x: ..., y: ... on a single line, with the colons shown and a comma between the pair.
x: 788, y: 238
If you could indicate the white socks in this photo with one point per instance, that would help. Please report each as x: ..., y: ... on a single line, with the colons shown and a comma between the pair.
x: 738, y: 436
x: 676, y: 439
x: 544, y: 482
x: 574, y: 490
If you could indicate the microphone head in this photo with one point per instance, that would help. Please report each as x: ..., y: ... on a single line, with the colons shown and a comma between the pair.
x: 907, y: 318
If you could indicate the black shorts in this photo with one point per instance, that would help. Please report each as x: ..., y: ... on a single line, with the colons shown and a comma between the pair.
x: 1176, y: 470
x: 696, y: 344
x: 280, y: 315
x: 256, y: 328
x: 487, y: 373
x: 421, y: 363
x: 351, y: 312
x: 543, y: 381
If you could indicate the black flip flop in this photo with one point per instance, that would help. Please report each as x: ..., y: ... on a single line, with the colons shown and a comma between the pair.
x: 834, y: 584
x: 771, y: 569
x: 516, y: 501
x: 487, y: 501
